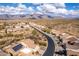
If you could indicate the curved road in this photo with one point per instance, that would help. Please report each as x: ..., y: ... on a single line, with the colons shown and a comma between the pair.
x: 51, y: 43
x: 51, y: 47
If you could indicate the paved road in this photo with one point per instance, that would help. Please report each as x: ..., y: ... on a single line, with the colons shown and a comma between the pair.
x: 51, y: 43
x: 51, y: 47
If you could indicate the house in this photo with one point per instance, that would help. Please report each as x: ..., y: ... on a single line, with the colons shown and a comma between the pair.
x: 22, y: 48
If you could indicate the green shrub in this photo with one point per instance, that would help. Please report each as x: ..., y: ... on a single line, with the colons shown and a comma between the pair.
x: 34, y: 32
x: 47, y: 30
x: 42, y: 43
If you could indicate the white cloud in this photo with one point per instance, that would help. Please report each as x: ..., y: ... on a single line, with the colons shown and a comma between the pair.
x: 21, y: 5
x: 49, y: 7
x: 2, y: 9
x: 46, y: 8
x: 30, y: 9
x: 62, y: 10
x: 20, y: 9
x: 59, y: 5
x: 74, y: 12
x: 57, y: 9
x: 39, y: 8
x: 52, y: 8
x: 39, y: 13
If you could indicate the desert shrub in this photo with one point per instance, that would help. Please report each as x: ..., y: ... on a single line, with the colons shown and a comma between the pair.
x: 2, y: 42
x: 34, y: 32
x: 42, y: 43
x: 2, y: 27
x: 9, y: 35
x: 37, y: 52
x: 1, y: 36
x: 6, y: 24
x: 22, y: 26
x: 36, y: 41
x: 17, y: 39
x: 47, y: 30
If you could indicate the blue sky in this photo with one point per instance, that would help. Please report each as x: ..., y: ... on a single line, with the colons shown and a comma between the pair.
x: 74, y: 6
x: 56, y: 9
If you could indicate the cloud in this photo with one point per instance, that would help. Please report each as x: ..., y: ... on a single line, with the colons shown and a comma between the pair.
x: 49, y: 8
x: 59, y: 5
x: 39, y: 13
x: 14, y: 10
x: 45, y: 8
x: 7, y: 10
x: 20, y: 9
x: 74, y: 12
x: 20, y: 5
x: 56, y: 9
x: 30, y: 9
x: 53, y: 9
x: 62, y: 10
x: 39, y: 8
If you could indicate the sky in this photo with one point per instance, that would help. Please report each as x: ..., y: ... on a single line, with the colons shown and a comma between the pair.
x: 53, y: 9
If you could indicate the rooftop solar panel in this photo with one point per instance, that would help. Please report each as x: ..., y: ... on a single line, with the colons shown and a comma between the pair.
x: 18, y: 47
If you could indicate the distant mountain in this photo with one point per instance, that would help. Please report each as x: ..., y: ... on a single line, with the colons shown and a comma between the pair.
x: 32, y: 16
